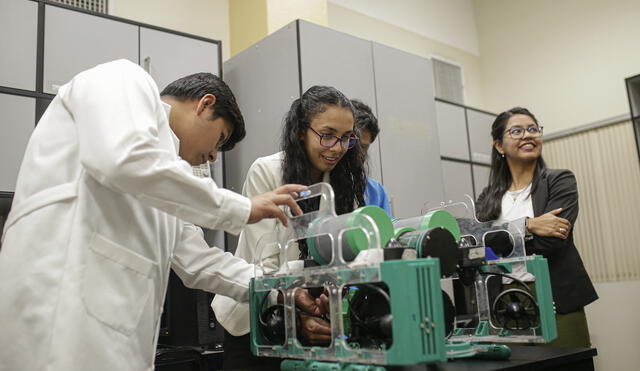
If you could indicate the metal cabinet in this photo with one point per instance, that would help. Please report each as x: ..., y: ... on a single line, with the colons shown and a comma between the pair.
x: 457, y: 180
x: 16, y: 127
x: 269, y: 75
x: 18, y: 43
x: 452, y: 131
x: 328, y: 57
x: 75, y: 41
x: 465, y: 139
x: 398, y: 87
x: 480, y: 135
x: 480, y: 178
x: 169, y: 56
x: 336, y: 59
x: 265, y: 80
x: 410, y: 153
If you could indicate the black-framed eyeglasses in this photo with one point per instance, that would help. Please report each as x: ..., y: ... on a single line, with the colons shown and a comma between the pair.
x: 328, y: 140
x: 517, y: 132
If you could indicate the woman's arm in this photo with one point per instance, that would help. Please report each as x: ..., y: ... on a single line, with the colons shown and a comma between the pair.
x: 563, y: 193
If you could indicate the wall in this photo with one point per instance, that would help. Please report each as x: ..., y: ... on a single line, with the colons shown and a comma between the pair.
x: 248, y: 24
x: 614, y: 325
x: 566, y: 60
x: 282, y: 12
x: 206, y: 18
x: 605, y: 162
x: 450, y: 22
x: 355, y: 23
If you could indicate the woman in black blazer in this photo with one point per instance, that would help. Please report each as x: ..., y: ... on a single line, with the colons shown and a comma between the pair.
x: 521, y: 185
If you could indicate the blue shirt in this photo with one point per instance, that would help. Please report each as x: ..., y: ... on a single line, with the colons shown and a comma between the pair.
x: 375, y: 194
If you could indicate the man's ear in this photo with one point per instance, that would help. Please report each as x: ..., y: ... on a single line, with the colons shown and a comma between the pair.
x: 207, y: 101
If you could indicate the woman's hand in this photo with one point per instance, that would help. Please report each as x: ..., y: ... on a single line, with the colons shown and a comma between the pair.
x: 550, y: 225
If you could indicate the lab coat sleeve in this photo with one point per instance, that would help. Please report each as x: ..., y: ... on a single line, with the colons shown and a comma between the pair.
x: 261, y: 178
x: 209, y: 268
x: 117, y: 113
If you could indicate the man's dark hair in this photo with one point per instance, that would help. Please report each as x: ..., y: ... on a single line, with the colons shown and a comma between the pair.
x: 365, y: 119
x: 197, y: 86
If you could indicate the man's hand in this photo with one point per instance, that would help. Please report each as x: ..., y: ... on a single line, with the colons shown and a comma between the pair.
x: 550, y: 225
x: 315, y: 330
x: 314, y: 306
x: 266, y: 205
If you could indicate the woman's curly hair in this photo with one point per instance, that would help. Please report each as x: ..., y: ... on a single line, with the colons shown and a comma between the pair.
x: 349, y: 177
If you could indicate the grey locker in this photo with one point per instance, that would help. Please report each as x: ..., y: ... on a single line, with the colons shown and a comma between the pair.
x: 452, y: 131
x: 16, y: 127
x: 409, y: 139
x: 480, y: 135
x: 264, y: 78
x: 336, y: 59
x: 168, y: 57
x: 480, y: 178
x: 328, y: 57
x: 456, y: 177
x: 18, y: 42
x: 76, y: 41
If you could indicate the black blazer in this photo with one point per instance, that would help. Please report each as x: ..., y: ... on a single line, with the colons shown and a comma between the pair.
x: 570, y: 283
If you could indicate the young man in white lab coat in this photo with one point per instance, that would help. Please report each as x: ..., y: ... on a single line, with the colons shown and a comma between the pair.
x: 103, y: 208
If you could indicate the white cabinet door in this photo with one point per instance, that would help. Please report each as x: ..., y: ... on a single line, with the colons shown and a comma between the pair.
x: 168, y: 57
x: 18, y: 43
x: 333, y: 58
x: 456, y: 177
x: 410, y: 154
x: 74, y: 42
x: 480, y: 178
x: 264, y: 78
x: 16, y: 126
x: 452, y: 131
x: 480, y: 135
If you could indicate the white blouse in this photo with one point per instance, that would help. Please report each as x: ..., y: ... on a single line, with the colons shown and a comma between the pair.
x: 516, y: 205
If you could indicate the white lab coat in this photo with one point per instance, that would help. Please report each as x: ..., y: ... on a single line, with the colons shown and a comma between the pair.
x: 97, y: 219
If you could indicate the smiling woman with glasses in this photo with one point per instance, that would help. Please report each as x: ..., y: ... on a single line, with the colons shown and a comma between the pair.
x: 520, y: 185
x: 518, y: 132
x: 318, y: 144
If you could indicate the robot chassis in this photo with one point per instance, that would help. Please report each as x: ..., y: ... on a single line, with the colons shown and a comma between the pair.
x: 415, y: 290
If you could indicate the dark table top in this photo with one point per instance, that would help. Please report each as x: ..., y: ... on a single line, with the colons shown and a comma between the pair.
x: 522, y: 358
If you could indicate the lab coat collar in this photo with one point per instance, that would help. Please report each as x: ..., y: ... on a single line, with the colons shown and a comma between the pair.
x: 174, y: 137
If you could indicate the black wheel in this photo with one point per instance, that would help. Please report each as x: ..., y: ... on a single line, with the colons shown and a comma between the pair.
x: 515, y: 309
